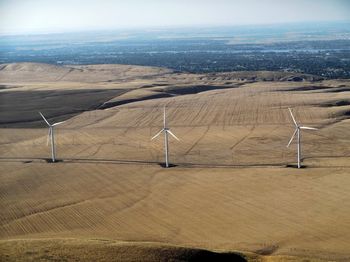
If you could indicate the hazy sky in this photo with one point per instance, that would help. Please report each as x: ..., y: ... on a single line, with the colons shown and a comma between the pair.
x: 31, y: 16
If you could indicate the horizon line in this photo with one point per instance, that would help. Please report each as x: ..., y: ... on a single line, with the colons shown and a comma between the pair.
x: 165, y: 27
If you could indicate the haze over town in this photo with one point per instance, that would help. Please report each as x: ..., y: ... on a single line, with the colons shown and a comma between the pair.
x: 35, y: 16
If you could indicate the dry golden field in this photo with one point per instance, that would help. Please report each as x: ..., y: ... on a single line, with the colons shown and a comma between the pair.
x: 233, y: 190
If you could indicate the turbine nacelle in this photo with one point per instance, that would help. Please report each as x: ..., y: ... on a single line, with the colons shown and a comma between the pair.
x: 166, y: 130
x: 47, y: 122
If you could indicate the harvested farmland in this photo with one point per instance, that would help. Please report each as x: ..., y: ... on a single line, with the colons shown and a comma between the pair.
x: 232, y: 191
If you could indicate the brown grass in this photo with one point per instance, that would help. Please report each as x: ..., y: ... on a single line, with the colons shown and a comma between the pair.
x: 230, y: 190
x: 105, y: 250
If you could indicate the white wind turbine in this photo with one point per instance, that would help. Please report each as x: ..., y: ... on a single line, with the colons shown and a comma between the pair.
x: 51, y: 136
x: 166, y: 145
x: 298, y: 132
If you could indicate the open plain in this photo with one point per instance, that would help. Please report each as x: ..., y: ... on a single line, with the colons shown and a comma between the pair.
x: 233, y: 188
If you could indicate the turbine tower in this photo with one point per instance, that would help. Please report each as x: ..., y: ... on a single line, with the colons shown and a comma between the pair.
x: 298, y: 133
x: 51, y: 137
x: 166, y: 134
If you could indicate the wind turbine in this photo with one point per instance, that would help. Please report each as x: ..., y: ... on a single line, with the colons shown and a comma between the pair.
x: 51, y: 136
x: 166, y: 145
x: 298, y: 133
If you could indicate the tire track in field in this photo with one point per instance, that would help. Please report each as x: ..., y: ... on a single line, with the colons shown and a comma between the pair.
x: 65, y: 74
x: 198, y: 140
x: 98, y: 149
x: 243, y: 138
x: 83, y: 150
x: 44, y: 211
x: 25, y: 222
x: 145, y: 196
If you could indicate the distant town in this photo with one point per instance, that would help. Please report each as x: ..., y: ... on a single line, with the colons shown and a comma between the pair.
x: 324, y: 53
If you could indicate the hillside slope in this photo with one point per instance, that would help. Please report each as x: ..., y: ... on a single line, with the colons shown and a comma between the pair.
x: 232, y: 187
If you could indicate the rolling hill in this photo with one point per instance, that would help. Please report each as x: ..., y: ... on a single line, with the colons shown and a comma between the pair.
x: 233, y: 185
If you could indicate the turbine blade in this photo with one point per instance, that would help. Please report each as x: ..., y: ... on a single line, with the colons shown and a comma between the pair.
x: 48, y: 137
x: 44, y: 119
x: 308, y: 128
x: 295, y: 122
x: 290, y: 141
x: 164, y: 120
x: 157, y: 134
x: 173, y: 135
x: 58, y: 123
